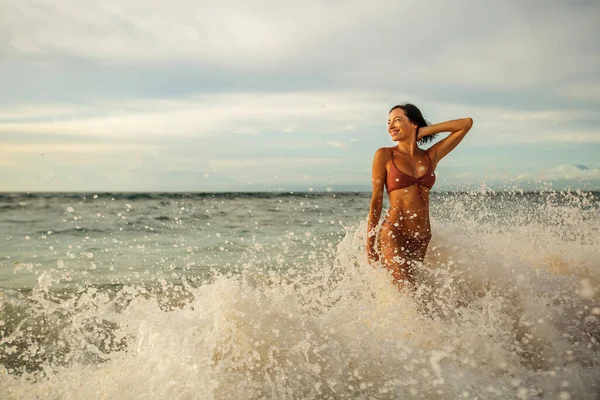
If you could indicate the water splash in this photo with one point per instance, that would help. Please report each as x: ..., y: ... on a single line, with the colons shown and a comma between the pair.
x: 506, y: 307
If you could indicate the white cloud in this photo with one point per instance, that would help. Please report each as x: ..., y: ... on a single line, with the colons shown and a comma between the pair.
x: 41, y: 111
x: 218, y: 164
x: 567, y: 172
x: 547, y: 116
x: 572, y: 172
x: 284, y: 77
x: 353, y: 39
x: 582, y: 90
x: 336, y: 144
x: 94, y: 148
x: 253, y: 113
x: 135, y: 32
x: 205, y: 115
x: 533, y: 134
x: 246, y: 131
x: 502, y: 125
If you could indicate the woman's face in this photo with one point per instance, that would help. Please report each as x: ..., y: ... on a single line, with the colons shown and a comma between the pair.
x: 399, y: 126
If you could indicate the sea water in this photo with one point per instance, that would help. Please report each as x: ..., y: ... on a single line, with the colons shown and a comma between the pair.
x: 269, y: 295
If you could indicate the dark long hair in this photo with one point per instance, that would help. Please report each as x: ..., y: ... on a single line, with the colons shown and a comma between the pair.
x: 415, y: 116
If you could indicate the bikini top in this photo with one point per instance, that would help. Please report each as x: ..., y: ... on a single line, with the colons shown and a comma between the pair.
x: 397, y: 179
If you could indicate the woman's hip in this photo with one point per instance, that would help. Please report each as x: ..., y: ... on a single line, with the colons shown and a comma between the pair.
x: 407, y: 241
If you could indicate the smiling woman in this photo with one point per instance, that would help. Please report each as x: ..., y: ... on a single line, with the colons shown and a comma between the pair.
x: 408, y: 173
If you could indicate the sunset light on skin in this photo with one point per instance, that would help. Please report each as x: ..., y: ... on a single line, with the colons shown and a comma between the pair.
x: 255, y: 96
x: 317, y: 199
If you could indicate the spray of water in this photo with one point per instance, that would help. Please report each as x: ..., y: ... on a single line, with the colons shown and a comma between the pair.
x: 504, y: 309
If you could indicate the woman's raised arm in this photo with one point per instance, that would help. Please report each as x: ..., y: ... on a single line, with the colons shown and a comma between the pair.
x: 458, y: 128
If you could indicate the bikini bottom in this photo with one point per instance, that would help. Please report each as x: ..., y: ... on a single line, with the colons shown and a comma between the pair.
x: 400, y: 250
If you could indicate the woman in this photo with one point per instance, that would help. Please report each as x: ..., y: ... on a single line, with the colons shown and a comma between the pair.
x: 408, y: 173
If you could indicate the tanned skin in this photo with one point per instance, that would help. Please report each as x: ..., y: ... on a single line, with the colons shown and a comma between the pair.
x: 409, y: 209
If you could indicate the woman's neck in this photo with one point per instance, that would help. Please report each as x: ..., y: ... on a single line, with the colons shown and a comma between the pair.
x: 408, y: 147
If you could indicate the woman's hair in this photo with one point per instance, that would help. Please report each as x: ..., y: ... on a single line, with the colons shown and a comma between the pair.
x: 415, y: 116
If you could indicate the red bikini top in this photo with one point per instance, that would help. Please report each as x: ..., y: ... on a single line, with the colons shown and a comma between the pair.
x: 397, y: 179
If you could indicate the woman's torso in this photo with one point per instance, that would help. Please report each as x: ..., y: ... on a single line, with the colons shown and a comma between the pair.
x: 409, y: 180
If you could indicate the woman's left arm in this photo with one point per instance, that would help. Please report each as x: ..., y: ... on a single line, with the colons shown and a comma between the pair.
x: 458, y: 128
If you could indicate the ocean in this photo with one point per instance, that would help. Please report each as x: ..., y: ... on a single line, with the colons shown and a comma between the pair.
x: 269, y: 295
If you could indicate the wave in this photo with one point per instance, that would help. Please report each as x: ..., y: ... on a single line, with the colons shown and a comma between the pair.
x: 507, y: 306
x: 491, y: 324
x: 74, y: 231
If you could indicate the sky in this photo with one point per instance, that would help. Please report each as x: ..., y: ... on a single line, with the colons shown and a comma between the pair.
x: 263, y: 95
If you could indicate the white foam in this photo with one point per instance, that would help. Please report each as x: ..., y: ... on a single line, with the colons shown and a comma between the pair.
x: 497, y: 314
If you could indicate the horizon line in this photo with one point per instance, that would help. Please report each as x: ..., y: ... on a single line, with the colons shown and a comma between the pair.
x: 298, y: 191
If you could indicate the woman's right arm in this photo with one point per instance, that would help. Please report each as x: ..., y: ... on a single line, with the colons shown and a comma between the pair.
x: 378, y: 175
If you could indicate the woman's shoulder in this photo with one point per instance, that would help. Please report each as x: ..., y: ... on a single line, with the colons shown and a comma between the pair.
x: 384, y: 152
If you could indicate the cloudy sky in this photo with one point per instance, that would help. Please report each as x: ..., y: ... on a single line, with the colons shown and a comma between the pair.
x: 233, y: 95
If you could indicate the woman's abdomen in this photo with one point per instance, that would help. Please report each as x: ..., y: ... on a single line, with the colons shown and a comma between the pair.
x: 409, y: 215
